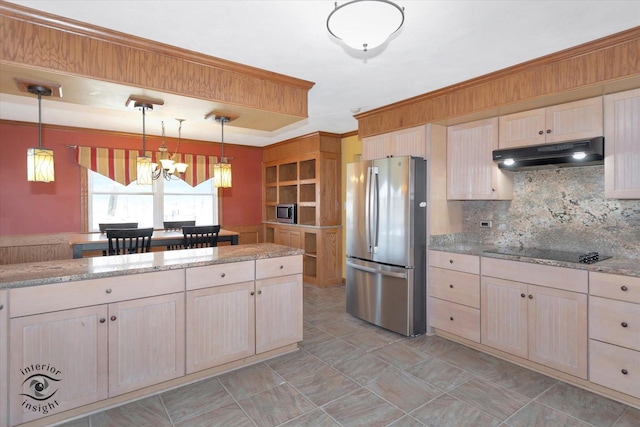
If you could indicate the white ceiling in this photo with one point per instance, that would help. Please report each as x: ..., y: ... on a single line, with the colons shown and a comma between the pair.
x: 440, y: 44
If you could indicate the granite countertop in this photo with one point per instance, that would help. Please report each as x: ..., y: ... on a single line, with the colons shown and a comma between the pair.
x: 43, y: 273
x: 615, y: 265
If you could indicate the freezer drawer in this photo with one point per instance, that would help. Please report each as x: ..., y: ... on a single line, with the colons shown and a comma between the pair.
x: 385, y: 296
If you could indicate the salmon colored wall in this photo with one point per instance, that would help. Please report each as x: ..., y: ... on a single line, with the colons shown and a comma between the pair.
x: 34, y: 207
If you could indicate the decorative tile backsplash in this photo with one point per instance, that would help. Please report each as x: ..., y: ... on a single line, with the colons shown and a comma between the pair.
x: 562, y: 209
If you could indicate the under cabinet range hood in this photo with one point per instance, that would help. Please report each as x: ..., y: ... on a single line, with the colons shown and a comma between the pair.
x: 559, y: 155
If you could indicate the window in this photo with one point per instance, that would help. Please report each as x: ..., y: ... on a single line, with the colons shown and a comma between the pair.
x: 149, y: 206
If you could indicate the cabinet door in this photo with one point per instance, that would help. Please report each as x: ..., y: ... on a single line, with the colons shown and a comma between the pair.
x: 4, y: 373
x: 409, y: 142
x: 63, y: 353
x: 376, y: 147
x: 278, y: 312
x: 522, y: 129
x: 622, y: 145
x: 146, y: 342
x: 558, y: 329
x: 574, y: 120
x: 220, y: 325
x: 503, y: 315
x: 471, y: 172
x: 291, y: 238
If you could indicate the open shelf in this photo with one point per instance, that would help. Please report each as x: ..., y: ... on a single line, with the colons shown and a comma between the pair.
x: 309, y: 266
x: 288, y: 172
x: 271, y: 175
x: 310, y: 244
x: 288, y: 194
x: 308, y: 169
x: 307, y: 215
x: 268, y: 235
x: 271, y: 195
x: 307, y: 192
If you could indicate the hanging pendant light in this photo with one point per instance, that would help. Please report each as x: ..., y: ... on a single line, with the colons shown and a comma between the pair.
x: 222, y: 169
x: 144, y: 165
x: 365, y: 24
x: 40, y: 161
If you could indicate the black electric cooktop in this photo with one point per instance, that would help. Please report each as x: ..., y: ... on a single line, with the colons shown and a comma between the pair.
x: 577, y: 257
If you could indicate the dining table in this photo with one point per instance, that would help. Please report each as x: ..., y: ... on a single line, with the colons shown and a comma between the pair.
x: 89, y: 242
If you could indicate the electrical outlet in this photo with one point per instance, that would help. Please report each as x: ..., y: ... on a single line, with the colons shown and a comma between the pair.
x: 486, y: 224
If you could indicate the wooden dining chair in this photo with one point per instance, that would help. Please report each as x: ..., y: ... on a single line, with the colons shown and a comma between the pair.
x: 200, y: 236
x: 176, y: 226
x: 126, y: 241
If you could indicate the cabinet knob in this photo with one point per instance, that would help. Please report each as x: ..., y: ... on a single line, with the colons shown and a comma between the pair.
x: 493, y: 189
x: 281, y: 267
x: 113, y: 318
x: 259, y: 292
x: 252, y: 293
x: 222, y: 275
x: 102, y: 320
x: 541, y: 133
x: 451, y: 318
x: 451, y: 286
x: 548, y: 130
x: 108, y: 290
x: 624, y: 324
x: 450, y: 261
x: 1, y: 306
x: 522, y: 295
x: 624, y: 372
x: 623, y: 288
x: 530, y: 296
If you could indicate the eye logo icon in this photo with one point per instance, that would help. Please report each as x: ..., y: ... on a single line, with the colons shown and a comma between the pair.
x: 41, y: 387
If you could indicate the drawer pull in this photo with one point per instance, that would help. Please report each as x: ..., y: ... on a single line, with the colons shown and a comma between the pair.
x: 259, y: 292
x: 281, y: 267
x: 222, y: 275
x: 450, y: 261
x: 624, y: 324
x: 540, y: 132
x: 624, y: 288
x: 113, y: 318
x: 522, y: 295
x: 451, y: 286
x: 451, y: 318
x: 108, y: 290
x: 102, y: 320
x: 624, y: 372
x: 530, y: 296
x: 252, y: 293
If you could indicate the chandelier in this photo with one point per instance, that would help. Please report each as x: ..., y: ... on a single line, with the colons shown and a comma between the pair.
x: 222, y: 169
x: 169, y: 168
x: 365, y: 24
x: 40, y: 161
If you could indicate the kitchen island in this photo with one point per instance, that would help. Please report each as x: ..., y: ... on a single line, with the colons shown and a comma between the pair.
x: 569, y: 320
x: 80, y: 335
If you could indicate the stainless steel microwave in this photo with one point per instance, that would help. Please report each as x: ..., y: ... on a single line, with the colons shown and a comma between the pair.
x: 286, y: 213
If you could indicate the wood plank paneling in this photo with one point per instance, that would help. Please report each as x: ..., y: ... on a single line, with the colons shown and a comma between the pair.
x: 603, y: 66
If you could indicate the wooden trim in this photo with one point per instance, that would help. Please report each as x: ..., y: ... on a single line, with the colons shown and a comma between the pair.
x: 84, y: 199
x: 605, y: 65
x: 41, y: 40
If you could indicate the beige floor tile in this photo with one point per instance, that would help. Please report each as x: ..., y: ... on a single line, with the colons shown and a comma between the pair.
x: 630, y: 418
x: 322, y: 385
x: 315, y: 418
x: 537, y: 415
x: 479, y: 364
x: 581, y: 404
x: 440, y: 374
x: 194, y: 399
x: 333, y: 351
x: 250, y: 380
x: 406, y: 421
x: 364, y: 369
x: 341, y: 328
x: 400, y: 355
x: 431, y: 345
x: 515, y: 378
x: 367, y: 340
x: 147, y: 412
x: 312, y: 335
x: 363, y: 408
x: 404, y: 390
x: 446, y: 411
x: 496, y: 401
x: 292, y: 367
x: 276, y: 406
x: 226, y: 416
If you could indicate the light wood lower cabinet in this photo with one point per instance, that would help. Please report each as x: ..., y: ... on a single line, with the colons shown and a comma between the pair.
x: 4, y: 354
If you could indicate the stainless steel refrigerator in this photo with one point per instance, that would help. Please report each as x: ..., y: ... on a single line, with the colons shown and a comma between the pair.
x: 386, y: 249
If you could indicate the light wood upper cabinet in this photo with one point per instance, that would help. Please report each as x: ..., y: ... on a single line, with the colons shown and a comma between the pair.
x: 471, y: 172
x: 622, y: 145
x: 73, y: 343
x: 146, y: 342
x: 404, y: 142
x: 565, y: 122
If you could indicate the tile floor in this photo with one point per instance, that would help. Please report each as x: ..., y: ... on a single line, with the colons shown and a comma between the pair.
x: 350, y: 373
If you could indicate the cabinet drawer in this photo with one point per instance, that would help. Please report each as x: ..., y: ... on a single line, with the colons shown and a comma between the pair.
x: 282, y: 266
x: 626, y: 288
x: 83, y: 293
x: 220, y: 274
x: 452, y: 261
x: 615, y: 367
x: 455, y: 286
x: 455, y: 318
x: 615, y: 322
x: 567, y: 279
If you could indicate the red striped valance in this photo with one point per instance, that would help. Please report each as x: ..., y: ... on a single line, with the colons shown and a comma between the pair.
x: 120, y: 164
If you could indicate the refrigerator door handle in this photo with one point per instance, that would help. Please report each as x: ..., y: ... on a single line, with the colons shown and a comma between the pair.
x: 367, y: 210
x: 376, y: 271
x: 375, y: 210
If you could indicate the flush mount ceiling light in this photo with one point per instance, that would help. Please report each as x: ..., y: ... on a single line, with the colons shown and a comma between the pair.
x: 40, y: 161
x: 365, y: 24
